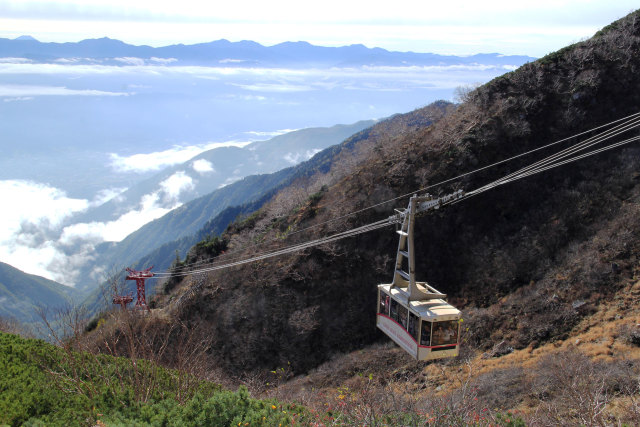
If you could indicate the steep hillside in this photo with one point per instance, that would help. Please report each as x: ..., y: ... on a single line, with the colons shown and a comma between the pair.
x: 527, y: 261
x: 22, y: 293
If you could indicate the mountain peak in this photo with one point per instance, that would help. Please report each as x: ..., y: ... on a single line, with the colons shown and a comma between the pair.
x: 26, y: 37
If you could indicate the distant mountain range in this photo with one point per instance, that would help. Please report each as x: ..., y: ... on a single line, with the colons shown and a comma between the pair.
x: 222, y: 166
x: 212, y: 181
x: 238, y: 54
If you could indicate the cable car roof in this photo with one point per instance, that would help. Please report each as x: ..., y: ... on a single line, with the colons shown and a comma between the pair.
x: 432, y: 309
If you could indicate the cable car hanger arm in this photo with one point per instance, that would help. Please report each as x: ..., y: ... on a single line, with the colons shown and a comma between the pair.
x: 426, y: 202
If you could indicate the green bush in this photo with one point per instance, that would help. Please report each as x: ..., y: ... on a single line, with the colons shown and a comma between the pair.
x: 44, y: 385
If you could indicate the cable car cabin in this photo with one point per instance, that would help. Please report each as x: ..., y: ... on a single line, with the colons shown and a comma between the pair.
x: 414, y: 314
x: 427, y: 329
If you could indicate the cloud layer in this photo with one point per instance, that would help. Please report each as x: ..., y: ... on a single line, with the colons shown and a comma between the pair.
x: 38, y: 234
x: 160, y: 159
x: 31, y: 91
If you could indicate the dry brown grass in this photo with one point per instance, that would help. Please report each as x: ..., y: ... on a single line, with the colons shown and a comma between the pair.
x: 508, y: 382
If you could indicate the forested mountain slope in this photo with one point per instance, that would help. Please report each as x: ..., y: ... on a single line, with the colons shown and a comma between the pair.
x: 526, y: 261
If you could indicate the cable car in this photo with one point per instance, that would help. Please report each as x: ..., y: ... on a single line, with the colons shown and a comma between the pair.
x: 414, y: 314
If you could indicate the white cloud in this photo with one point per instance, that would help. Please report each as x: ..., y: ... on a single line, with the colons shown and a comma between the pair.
x: 230, y: 180
x: 270, y: 134
x: 231, y: 61
x: 34, y: 203
x: 202, y: 166
x: 251, y: 98
x: 163, y: 60
x: 176, y: 184
x: 19, y: 98
x: 149, y: 209
x: 161, y: 159
x: 275, y: 87
x: 105, y: 195
x: 67, y: 60
x: 295, y: 158
x: 36, y: 236
x: 130, y: 60
x: 37, y: 212
x: 10, y: 60
x: 266, y: 80
x: 30, y: 91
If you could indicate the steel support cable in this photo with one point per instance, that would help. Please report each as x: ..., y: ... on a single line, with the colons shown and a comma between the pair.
x: 290, y: 249
x: 634, y: 115
x: 551, y: 166
x: 548, y: 163
x: 573, y: 159
x: 632, y: 121
x: 618, y: 130
x: 293, y: 248
x: 387, y: 222
x: 238, y: 251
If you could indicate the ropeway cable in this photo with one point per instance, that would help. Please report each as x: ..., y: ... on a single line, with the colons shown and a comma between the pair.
x: 295, y: 248
x: 550, y: 162
x: 635, y: 115
x: 527, y: 173
x: 582, y: 156
x: 537, y: 167
x: 620, y: 129
x: 385, y: 222
x: 629, y: 118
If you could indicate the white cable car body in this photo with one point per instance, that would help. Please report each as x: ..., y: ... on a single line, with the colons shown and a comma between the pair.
x: 413, y: 314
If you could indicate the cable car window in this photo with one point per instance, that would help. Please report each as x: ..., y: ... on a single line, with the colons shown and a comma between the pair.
x: 425, y: 334
x: 384, y: 303
x: 402, y: 316
x: 413, y: 326
x: 394, y: 310
x: 445, y: 333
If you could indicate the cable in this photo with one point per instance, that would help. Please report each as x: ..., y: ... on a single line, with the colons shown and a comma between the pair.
x: 295, y: 248
x: 573, y: 149
x: 527, y: 171
x: 537, y: 167
x: 628, y: 118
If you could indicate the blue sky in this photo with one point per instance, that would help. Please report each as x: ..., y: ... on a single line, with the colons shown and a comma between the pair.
x: 452, y: 27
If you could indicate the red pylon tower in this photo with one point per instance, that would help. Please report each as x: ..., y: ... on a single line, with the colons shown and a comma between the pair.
x: 139, y: 277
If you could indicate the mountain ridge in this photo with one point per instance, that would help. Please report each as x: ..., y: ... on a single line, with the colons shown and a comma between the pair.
x: 242, y: 53
x: 22, y: 294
